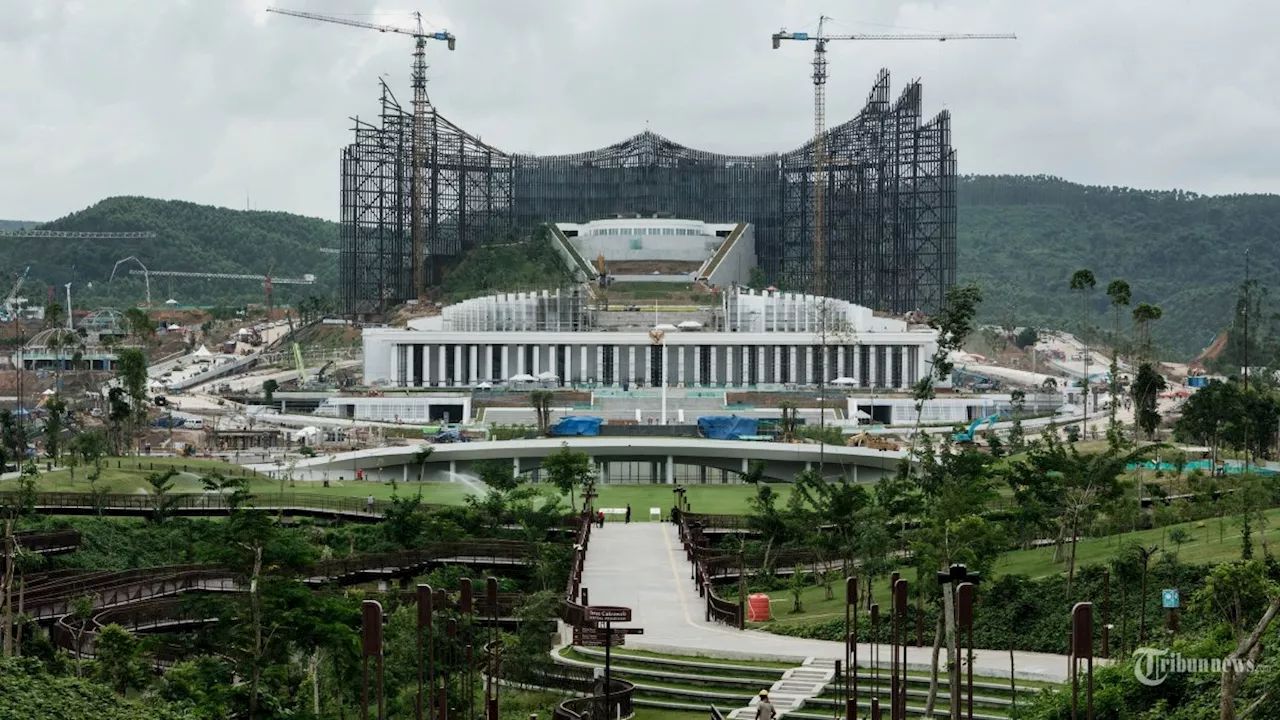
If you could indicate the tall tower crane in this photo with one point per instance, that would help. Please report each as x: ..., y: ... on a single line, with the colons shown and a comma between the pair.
x: 420, y: 103
x: 820, y: 40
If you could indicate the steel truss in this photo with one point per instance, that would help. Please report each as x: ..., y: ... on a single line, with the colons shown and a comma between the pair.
x: 889, y: 180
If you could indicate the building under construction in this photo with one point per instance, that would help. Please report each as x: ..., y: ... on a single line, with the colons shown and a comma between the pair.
x: 889, y: 209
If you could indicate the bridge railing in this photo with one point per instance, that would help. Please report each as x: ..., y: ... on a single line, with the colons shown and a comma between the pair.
x: 484, y: 552
x: 180, y: 503
x: 48, y: 541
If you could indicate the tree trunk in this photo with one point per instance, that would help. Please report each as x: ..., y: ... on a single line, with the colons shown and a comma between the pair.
x: 1248, y: 650
x: 10, y: 558
x: 1060, y: 541
x: 1071, y: 562
x: 255, y: 605
x: 933, y: 669
x: 953, y: 655
x: 314, y: 667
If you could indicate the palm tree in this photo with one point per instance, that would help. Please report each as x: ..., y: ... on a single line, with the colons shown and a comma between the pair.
x: 1143, y: 316
x: 420, y: 456
x: 1119, y: 293
x: 1083, y: 282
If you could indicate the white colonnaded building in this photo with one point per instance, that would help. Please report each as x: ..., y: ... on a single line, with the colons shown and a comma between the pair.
x: 758, y: 339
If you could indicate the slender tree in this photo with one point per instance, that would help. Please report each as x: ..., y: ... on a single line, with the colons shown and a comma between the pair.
x: 1083, y: 282
x: 1143, y: 315
x: 1119, y: 294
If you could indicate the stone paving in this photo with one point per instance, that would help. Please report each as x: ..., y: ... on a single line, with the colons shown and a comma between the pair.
x: 642, y: 566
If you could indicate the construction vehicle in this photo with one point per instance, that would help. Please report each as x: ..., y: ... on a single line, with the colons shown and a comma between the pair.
x: 9, y: 310
x: 820, y: 40
x: 970, y: 435
x: 872, y: 442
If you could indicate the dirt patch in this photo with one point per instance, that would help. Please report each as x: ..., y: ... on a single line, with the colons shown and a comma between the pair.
x: 648, y: 267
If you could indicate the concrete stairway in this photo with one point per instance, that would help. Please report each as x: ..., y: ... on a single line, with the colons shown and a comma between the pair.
x: 796, y: 686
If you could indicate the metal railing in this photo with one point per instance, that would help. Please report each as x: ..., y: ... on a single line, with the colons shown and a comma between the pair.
x: 486, y: 553
x: 203, y: 503
x: 48, y: 542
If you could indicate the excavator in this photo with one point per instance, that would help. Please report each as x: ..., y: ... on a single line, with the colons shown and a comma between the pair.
x: 970, y: 435
x: 873, y: 442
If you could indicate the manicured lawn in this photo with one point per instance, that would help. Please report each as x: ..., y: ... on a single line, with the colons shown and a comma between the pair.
x: 711, y: 499
x: 1208, y: 544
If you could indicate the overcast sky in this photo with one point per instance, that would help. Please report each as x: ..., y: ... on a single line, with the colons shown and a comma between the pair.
x: 215, y: 100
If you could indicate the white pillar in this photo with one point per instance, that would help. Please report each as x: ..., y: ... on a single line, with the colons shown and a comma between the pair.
x: 488, y: 361
x: 666, y: 369
x: 871, y: 366
x: 537, y: 361
x: 617, y: 366
x: 777, y: 363
x: 566, y: 372
x: 631, y: 365
x: 426, y: 366
x: 840, y: 353
x: 457, y: 364
x: 680, y: 366
x: 806, y: 375
x: 600, y: 364
x: 729, y: 350
x: 506, y: 362
x: 713, y: 378
x: 475, y: 364
x: 697, y: 365
x: 582, y: 365
x: 520, y: 368
x: 671, y: 470
x: 444, y: 365
x: 795, y: 364
x: 761, y: 373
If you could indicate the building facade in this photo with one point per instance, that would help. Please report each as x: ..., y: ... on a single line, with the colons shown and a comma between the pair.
x: 753, y: 340
x: 889, y: 184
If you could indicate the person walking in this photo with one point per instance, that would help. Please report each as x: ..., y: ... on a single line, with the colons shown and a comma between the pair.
x: 369, y: 503
x: 600, y: 518
x: 628, y: 513
x: 764, y: 708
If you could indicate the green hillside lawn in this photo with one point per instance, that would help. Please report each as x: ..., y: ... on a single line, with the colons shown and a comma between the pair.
x: 123, y: 475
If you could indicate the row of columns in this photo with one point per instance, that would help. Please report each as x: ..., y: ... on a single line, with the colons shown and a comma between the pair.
x: 631, y: 364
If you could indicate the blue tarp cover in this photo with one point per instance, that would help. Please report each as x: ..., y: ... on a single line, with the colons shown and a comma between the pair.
x: 577, y: 425
x: 727, y: 427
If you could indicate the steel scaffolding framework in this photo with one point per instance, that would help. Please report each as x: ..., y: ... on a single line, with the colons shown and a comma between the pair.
x: 889, y: 215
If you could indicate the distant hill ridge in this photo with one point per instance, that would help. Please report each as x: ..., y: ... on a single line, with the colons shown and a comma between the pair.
x: 1020, y: 238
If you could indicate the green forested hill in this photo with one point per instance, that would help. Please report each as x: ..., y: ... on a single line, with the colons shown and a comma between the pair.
x: 189, y: 237
x: 1021, y: 238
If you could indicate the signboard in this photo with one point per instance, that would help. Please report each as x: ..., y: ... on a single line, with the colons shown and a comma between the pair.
x: 607, y: 613
x: 595, y: 637
x: 1170, y: 600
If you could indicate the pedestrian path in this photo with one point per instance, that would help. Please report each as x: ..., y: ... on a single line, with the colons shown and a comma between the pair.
x: 642, y: 566
x: 796, y: 686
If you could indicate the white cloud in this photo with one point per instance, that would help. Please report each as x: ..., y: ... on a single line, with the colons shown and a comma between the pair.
x: 206, y: 100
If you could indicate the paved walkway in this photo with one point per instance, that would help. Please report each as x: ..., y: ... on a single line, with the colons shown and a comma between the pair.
x: 642, y: 566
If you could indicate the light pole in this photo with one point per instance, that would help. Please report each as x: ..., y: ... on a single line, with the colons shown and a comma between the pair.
x: 68, y: 286
x: 659, y: 339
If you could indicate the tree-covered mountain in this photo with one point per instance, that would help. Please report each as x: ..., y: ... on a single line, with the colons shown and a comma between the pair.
x: 1020, y: 238
x: 189, y: 237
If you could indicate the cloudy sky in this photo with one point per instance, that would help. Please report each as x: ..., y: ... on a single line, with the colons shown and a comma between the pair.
x: 215, y: 100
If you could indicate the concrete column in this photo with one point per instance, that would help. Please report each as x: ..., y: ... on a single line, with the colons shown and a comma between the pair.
x: 840, y: 353
x: 457, y: 364
x: 506, y: 362
x: 599, y: 364
x: 474, y: 351
x: 680, y: 366
x: 453, y: 469
x: 857, y: 363
x: 713, y: 379
x: 426, y: 367
x: 776, y: 350
x: 746, y: 467
x: 604, y: 472
x: 444, y: 365
x: 729, y: 351
x: 520, y: 368
x: 761, y: 367
x: 537, y: 361
x: 806, y: 374
x: 582, y: 365
x: 566, y: 372
x: 871, y: 366
x: 619, y: 366
x: 671, y: 470
x: 515, y: 466
x: 404, y: 473
x: 697, y: 365
x: 488, y: 361
x: 631, y: 365
x: 795, y: 364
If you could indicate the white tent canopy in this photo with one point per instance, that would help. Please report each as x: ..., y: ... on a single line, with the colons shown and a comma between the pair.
x: 202, y: 351
x: 844, y: 381
x: 50, y: 391
x: 547, y: 375
x: 664, y: 326
x: 484, y: 386
x: 522, y: 377
x: 307, y: 433
x: 690, y: 325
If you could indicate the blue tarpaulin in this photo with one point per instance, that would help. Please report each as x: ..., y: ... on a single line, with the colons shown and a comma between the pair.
x: 577, y: 425
x: 727, y: 427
